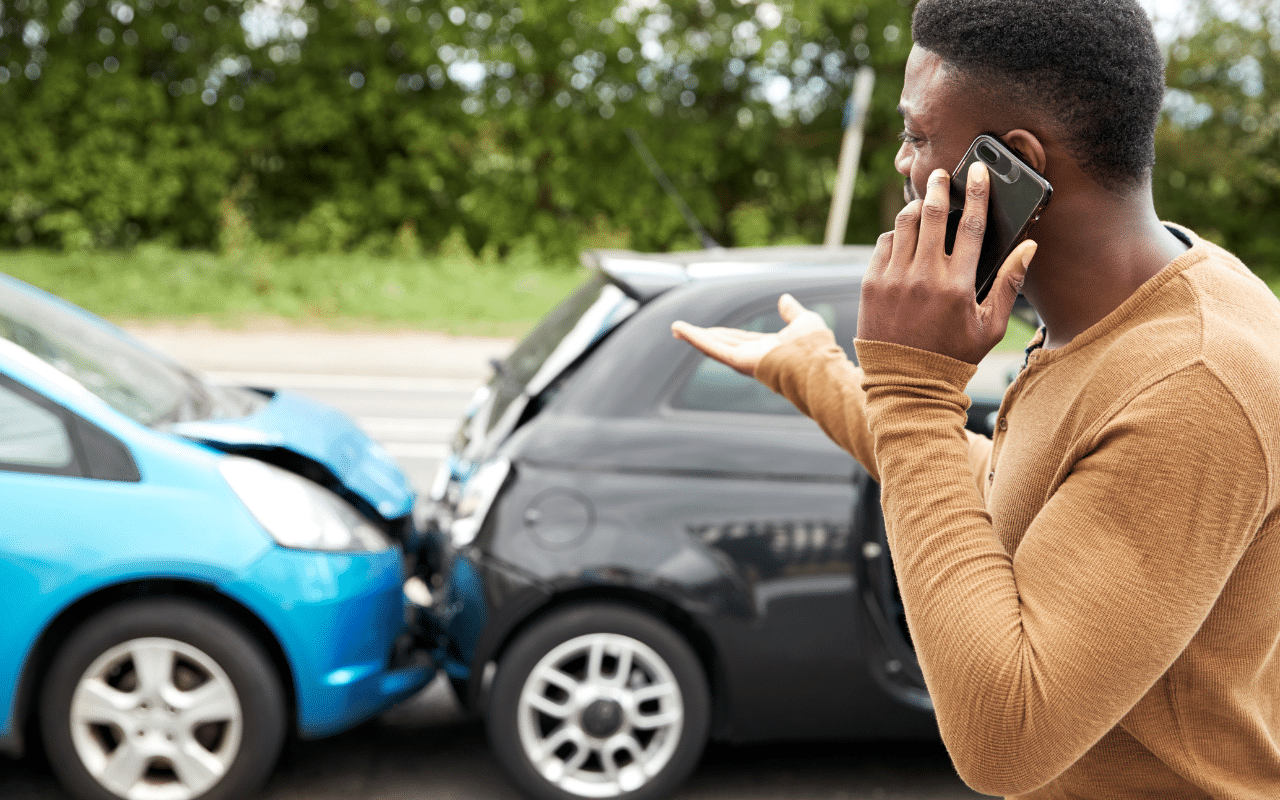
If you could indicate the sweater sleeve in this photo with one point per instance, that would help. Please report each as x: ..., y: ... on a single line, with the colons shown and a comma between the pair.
x: 814, y: 373
x: 1031, y: 659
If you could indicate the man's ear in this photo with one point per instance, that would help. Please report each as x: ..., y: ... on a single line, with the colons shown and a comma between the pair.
x: 1028, y: 145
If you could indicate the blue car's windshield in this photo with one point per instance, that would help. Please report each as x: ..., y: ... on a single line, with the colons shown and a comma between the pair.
x: 131, y: 379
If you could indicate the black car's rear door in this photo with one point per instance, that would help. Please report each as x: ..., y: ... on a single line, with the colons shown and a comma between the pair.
x: 775, y: 500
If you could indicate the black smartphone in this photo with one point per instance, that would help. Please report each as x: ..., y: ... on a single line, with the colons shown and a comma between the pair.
x: 1017, y: 196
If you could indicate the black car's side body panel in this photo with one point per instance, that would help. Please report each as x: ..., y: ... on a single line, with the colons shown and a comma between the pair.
x: 774, y: 589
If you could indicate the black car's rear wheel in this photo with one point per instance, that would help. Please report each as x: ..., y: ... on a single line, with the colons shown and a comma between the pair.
x: 599, y: 701
x: 164, y: 700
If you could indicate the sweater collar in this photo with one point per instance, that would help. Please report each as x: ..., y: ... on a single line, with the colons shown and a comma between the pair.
x: 1198, y: 250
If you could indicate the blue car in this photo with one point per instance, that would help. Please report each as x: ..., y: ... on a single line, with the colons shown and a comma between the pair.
x: 189, y: 573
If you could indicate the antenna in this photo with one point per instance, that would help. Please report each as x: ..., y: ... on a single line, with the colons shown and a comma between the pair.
x: 661, y: 177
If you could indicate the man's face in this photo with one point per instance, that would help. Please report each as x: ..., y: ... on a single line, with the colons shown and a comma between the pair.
x: 938, y: 126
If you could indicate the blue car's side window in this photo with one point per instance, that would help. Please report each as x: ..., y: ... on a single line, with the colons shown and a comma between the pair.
x: 32, y: 436
x: 41, y: 436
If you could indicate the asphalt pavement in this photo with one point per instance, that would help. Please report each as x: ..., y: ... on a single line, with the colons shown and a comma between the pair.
x: 407, y: 389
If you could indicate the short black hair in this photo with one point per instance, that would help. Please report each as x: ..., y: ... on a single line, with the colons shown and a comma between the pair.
x: 1092, y: 65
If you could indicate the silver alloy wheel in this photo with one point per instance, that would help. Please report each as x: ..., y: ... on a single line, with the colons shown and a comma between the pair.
x: 600, y: 715
x: 156, y: 719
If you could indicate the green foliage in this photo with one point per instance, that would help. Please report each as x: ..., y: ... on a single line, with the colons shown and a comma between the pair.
x: 1218, y: 162
x: 336, y: 123
x: 444, y: 293
x: 105, y: 138
x: 395, y: 128
x: 750, y: 225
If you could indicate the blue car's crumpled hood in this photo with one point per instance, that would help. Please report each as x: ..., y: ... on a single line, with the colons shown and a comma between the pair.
x: 317, y: 432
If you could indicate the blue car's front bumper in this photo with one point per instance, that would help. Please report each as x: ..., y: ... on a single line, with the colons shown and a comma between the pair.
x: 340, y: 619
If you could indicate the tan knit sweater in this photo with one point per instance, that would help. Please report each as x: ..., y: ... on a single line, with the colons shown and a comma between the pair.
x: 1094, y: 594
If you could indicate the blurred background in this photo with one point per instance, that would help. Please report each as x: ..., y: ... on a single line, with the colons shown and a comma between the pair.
x: 440, y: 163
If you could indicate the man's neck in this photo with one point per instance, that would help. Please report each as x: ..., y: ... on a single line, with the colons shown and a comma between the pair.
x: 1095, y: 251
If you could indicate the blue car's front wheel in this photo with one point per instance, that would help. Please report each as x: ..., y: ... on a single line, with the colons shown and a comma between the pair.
x: 161, y: 698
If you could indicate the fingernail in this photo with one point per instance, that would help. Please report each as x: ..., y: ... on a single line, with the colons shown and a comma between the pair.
x: 977, y: 172
x: 939, y: 175
x: 1027, y: 256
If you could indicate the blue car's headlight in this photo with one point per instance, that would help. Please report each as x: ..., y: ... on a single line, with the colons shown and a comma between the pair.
x: 298, y: 513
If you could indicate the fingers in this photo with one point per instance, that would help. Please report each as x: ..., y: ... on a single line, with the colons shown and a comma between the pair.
x: 880, y: 257
x: 906, y: 232
x: 799, y: 320
x: 733, y: 335
x: 933, y: 216
x: 1008, y: 282
x: 703, y: 339
x: 724, y: 336
x: 741, y: 350
x: 789, y: 308
x: 722, y: 340
x: 973, y: 223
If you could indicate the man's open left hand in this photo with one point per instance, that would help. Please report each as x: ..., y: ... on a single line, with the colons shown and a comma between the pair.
x: 916, y: 295
x: 744, y: 350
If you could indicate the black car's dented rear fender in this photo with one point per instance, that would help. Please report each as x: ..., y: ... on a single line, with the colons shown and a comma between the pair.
x: 524, y: 603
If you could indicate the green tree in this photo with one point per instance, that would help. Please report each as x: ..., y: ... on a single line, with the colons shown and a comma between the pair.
x: 108, y: 133
x: 337, y: 122
x: 508, y: 119
x: 1218, y: 159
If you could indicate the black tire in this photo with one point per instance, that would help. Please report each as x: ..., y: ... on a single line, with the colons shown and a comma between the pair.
x: 214, y: 669
x: 619, y: 707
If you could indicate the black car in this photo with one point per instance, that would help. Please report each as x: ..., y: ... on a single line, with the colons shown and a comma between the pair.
x: 635, y: 548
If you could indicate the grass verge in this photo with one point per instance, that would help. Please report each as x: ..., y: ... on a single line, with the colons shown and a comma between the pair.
x: 452, y: 294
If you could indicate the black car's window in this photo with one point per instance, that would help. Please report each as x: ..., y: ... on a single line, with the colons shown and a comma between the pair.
x: 30, y: 435
x: 712, y: 386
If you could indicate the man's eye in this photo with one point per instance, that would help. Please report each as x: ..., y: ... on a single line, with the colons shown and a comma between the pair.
x: 903, y: 136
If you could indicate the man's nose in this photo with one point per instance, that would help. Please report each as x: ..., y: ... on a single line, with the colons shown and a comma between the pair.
x: 902, y: 161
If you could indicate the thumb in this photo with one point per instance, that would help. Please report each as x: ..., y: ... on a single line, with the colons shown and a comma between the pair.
x: 1004, y: 292
x: 789, y: 308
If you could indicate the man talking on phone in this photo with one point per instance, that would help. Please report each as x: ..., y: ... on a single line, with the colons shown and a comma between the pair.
x: 1094, y: 592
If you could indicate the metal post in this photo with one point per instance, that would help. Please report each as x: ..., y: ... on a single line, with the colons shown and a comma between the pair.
x: 850, y: 152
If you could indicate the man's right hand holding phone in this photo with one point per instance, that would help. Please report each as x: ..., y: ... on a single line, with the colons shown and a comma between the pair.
x: 914, y: 294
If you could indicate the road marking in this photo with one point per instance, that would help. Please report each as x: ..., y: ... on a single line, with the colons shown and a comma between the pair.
x: 369, y: 383
x: 409, y: 426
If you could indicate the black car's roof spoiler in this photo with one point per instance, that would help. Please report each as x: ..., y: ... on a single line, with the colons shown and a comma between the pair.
x: 647, y: 275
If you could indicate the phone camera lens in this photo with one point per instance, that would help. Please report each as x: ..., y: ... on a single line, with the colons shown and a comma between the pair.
x: 988, y: 154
